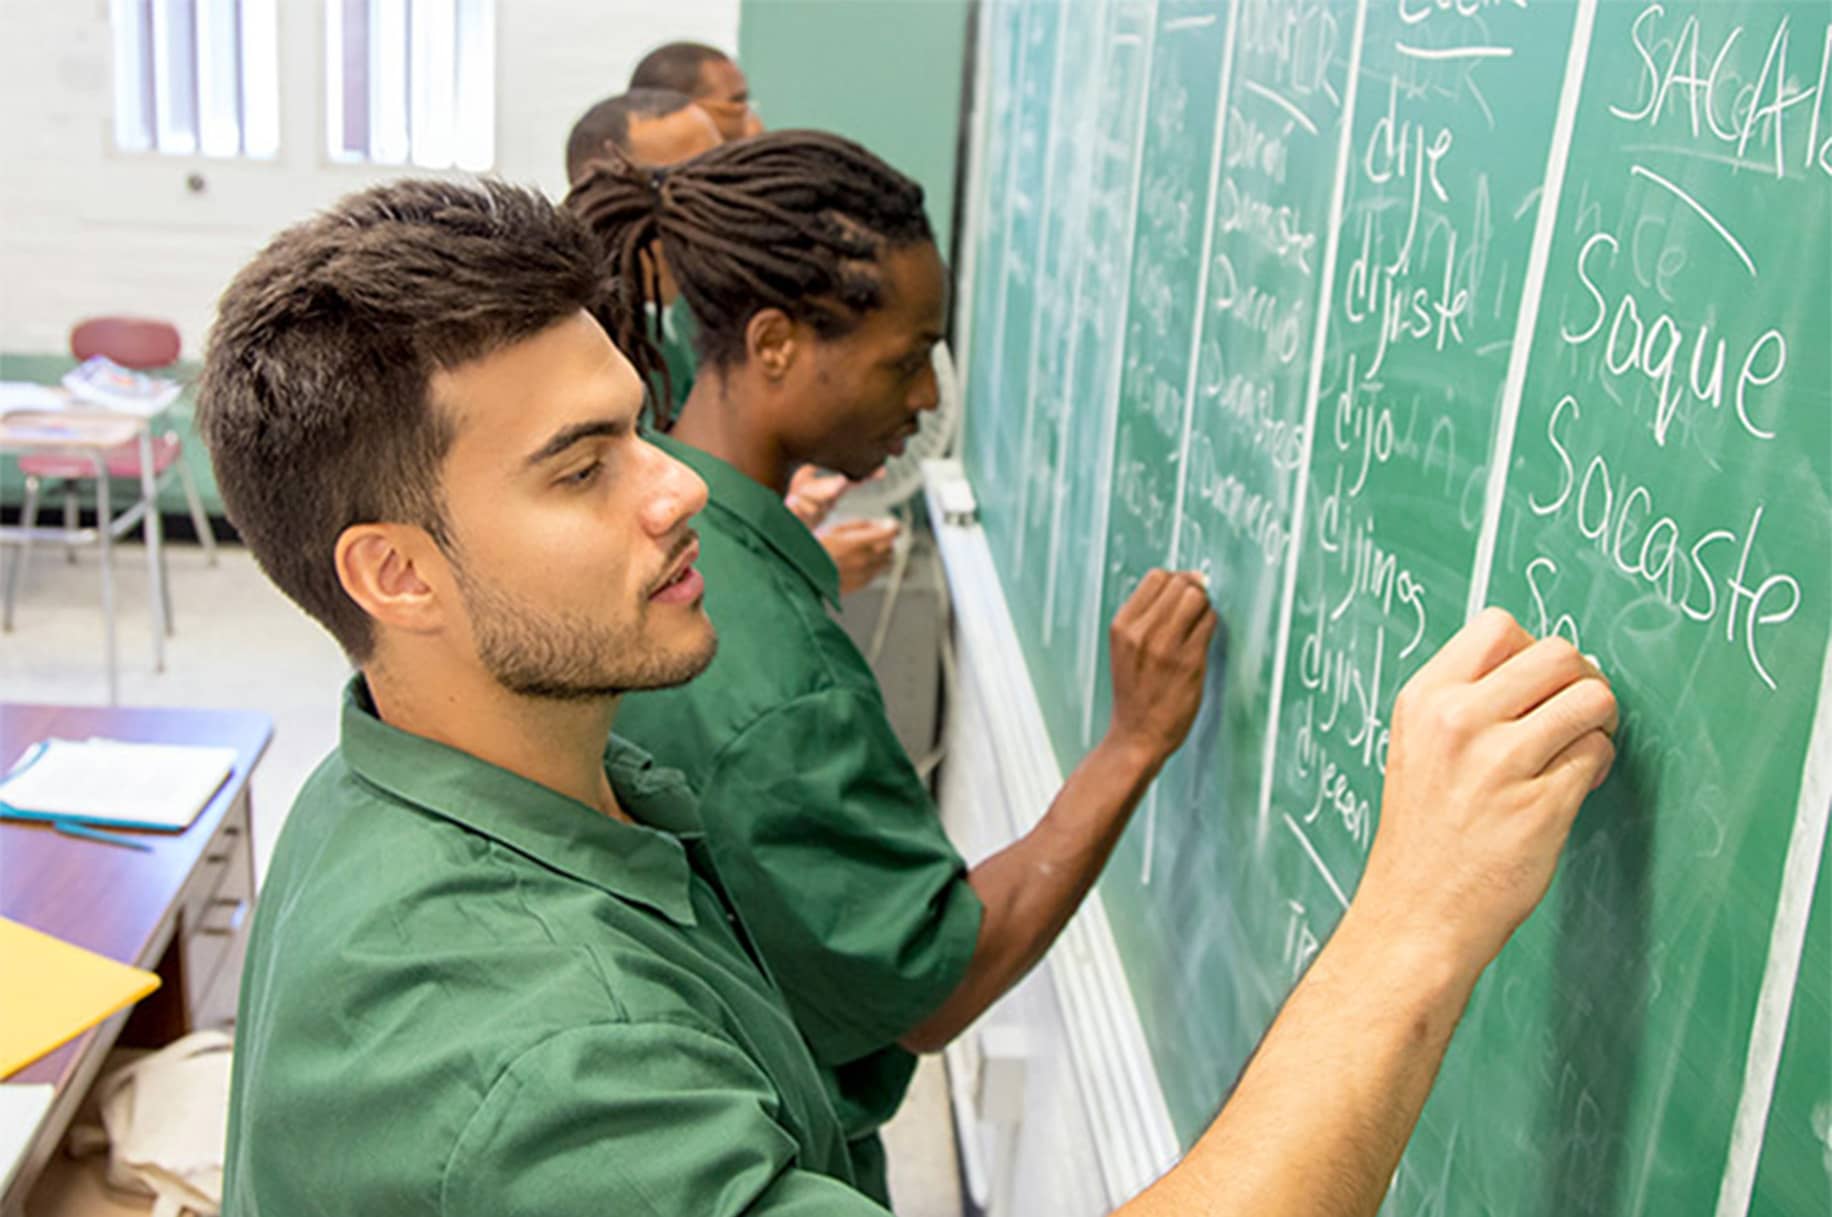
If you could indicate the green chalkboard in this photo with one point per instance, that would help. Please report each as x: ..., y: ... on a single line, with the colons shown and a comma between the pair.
x: 1379, y: 311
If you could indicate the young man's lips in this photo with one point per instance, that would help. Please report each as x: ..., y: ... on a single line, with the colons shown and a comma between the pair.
x: 683, y: 573
x: 686, y: 588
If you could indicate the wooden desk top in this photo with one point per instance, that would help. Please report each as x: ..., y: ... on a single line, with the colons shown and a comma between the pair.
x: 68, y: 430
x: 114, y: 901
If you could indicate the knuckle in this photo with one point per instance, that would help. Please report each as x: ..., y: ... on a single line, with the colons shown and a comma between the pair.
x: 1561, y: 651
x: 1453, y: 716
x: 1599, y: 701
x: 1495, y: 622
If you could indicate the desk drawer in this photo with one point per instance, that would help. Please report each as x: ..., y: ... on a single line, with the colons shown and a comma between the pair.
x: 215, y: 1011
x: 226, y: 850
x: 214, y: 925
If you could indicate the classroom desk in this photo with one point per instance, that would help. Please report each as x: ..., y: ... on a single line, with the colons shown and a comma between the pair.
x: 180, y: 910
x: 91, y: 435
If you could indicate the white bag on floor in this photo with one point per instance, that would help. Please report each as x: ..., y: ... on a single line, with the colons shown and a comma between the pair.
x: 167, y: 1119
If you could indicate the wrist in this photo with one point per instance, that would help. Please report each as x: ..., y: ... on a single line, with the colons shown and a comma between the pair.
x: 1132, y: 751
x: 1421, y: 961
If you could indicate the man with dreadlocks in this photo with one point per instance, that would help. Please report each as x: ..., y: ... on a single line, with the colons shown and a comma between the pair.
x: 819, y: 290
x: 815, y: 277
x: 657, y: 128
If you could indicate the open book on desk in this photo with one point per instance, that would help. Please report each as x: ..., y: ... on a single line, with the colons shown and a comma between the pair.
x: 110, y: 783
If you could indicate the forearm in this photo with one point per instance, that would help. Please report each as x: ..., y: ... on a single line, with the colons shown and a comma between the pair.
x: 1319, y: 1119
x: 1033, y: 886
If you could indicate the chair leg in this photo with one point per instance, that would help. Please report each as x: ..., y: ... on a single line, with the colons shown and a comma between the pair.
x: 165, y: 592
x: 199, y: 520
x: 71, y: 520
x: 15, y: 565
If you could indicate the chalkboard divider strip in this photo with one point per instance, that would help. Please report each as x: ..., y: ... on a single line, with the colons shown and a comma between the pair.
x: 1084, y: 217
x: 1202, y: 282
x: 1002, y: 266
x: 1319, y: 344
x: 1047, y: 207
x: 973, y: 187
x: 1110, y: 418
x: 1539, y: 258
x: 1781, y: 973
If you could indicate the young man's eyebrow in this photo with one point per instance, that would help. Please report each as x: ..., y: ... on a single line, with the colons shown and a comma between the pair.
x: 566, y: 437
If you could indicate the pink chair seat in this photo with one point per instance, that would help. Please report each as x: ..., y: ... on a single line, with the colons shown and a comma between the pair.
x: 122, y: 462
x: 132, y: 342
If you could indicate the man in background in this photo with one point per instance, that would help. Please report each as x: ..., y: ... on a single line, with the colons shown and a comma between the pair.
x: 648, y: 126
x: 710, y: 77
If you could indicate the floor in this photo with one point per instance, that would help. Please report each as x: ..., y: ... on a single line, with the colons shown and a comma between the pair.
x: 240, y: 643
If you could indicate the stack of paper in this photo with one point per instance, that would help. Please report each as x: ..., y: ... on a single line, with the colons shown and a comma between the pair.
x: 107, y: 782
x: 101, y: 381
x: 55, y: 992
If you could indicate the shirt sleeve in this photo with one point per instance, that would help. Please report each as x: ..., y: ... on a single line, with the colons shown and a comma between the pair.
x: 833, y: 850
x: 650, y: 1120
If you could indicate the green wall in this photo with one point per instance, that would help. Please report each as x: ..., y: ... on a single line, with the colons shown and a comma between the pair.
x: 886, y: 73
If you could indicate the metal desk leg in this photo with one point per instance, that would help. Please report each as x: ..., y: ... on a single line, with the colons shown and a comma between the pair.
x: 105, y: 538
x: 155, y: 560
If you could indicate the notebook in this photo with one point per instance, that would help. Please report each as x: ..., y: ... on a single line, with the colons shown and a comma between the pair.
x: 55, y: 992
x: 115, y: 784
x: 22, y: 1108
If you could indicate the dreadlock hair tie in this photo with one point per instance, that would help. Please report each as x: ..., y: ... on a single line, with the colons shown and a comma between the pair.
x: 657, y: 177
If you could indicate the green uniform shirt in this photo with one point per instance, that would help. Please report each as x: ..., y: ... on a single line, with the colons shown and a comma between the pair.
x: 821, y: 829
x: 467, y: 994
x: 678, y: 329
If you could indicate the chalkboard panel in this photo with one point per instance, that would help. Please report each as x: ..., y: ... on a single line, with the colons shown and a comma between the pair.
x: 1377, y: 312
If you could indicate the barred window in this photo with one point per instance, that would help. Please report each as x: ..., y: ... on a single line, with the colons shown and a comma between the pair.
x: 196, y: 77
x: 411, y: 82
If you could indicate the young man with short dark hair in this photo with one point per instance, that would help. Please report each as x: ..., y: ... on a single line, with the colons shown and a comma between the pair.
x: 492, y: 971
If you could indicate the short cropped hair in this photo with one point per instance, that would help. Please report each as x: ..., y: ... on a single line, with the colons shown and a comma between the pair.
x: 675, y: 66
x: 314, y: 400
x: 609, y: 122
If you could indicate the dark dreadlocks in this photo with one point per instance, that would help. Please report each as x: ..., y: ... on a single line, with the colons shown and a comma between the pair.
x: 793, y: 220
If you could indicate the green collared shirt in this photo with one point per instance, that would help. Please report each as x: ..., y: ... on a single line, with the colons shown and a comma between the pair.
x: 822, y: 831
x: 467, y: 994
x: 679, y: 326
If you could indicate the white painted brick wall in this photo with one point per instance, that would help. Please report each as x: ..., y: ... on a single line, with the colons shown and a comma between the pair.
x: 85, y: 229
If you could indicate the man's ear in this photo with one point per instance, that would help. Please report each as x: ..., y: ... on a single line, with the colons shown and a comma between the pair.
x: 397, y: 574
x: 773, y: 341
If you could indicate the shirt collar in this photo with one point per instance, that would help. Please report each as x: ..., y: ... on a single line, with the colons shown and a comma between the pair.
x: 644, y: 863
x: 761, y: 511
